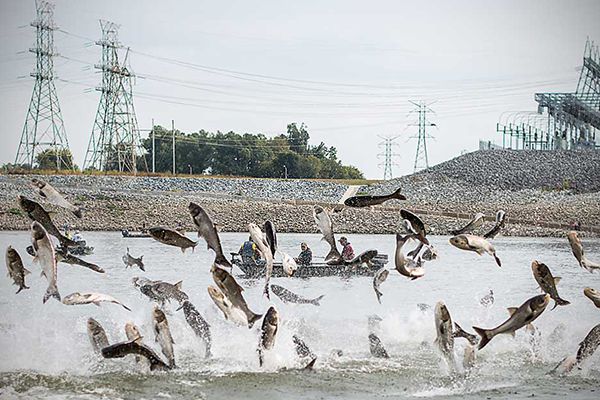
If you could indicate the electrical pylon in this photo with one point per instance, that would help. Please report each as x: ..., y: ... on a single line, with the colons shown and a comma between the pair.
x: 421, y: 159
x: 44, y: 128
x: 115, y: 140
x: 388, y: 142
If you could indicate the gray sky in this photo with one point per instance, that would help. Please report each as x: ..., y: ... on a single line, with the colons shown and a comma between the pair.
x: 348, y: 68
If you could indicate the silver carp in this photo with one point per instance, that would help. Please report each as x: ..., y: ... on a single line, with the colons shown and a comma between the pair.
x: 46, y: 257
x: 367, y: 201
x: 593, y: 295
x: 586, y: 349
x: 471, y: 225
x: 415, y: 225
x: 445, y: 334
x: 208, y: 231
x: 578, y: 252
x: 133, y: 333
x: 547, y: 282
x: 500, y: 220
x: 474, y: 243
x: 519, y: 317
x: 264, y: 248
x: 378, y: 279
x: 268, y: 332
x: 376, y: 347
x: 52, y: 196
x: 290, y: 297
x: 162, y: 335
x: 325, y: 225
x: 120, y: 350
x: 233, y: 292
x: 405, y: 266
x: 36, y: 212
x: 171, y: 237
x: 162, y: 292
x: 63, y: 256
x: 198, y: 324
x: 132, y: 261
x: 230, y: 312
x: 15, y: 267
x: 97, y: 335
x: 289, y: 264
x: 91, y: 298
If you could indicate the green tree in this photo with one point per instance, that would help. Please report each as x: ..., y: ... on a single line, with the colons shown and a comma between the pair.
x: 48, y: 159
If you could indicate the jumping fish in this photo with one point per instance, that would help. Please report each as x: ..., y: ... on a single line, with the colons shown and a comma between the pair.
x: 301, y: 348
x: 63, y: 256
x: 325, y: 225
x: 162, y: 292
x: 488, y: 299
x: 233, y: 292
x: 366, y: 201
x: 208, y: 231
x: 289, y: 297
x: 471, y: 225
x: 289, y: 264
x: 460, y: 332
x: 376, y: 347
x: 547, y: 282
x: 267, y: 333
x: 577, y: 249
x: 198, y: 324
x: 15, y: 267
x: 120, y: 350
x: 474, y: 243
x: 37, y: 213
x: 46, y: 258
x: 52, y: 196
x: 519, y: 317
x: 91, y: 298
x: 587, y: 347
x: 264, y: 248
x: 97, y: 335
x: 271, y: 236
x: 405, y: 266
x: 415, y: 225
x: 378, y: 279
x: 132, y: 261
x: 132, y: 332
x: 445, y: 334
x: 593, y: 295
x: 172, y: 238
x: 230, y: 312
x: 162, y: 335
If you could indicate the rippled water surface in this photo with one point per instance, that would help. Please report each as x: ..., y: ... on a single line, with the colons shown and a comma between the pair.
x: 45, y: 352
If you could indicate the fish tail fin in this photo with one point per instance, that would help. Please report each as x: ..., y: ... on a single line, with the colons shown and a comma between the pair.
x: 260, y: 358
x: 458, y: 331
x: 21, y: 288
x: 485, y: 337
x: 266, y: 291
x: 310, y: 365
x: 253, y: 319
x: 125, y: 307
x: 51, y: 292
x: 317, y: 300
x: 497, y: 260
x: 194, y: 246
x: 333, y: 254
x: 561, y: 302
x: 398, y: 195
x: 78, y: 213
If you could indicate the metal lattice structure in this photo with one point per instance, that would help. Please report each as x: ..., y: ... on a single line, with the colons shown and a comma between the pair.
x: 421, y: 157
x: 115, y: 140
x: 572, y: 120
x: 388, y: 154
x: 44, y: 128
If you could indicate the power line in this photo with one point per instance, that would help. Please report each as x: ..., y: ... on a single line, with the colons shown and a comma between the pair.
x: 388, y: 154
x: 421, y: 158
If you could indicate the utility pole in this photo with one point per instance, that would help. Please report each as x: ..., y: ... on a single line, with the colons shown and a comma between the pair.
x: 388, y: 142
x: 44, y: 128
x: 173, y: 133
x: 421, y: 159
x: 153, y: 149
x: 115, y: 140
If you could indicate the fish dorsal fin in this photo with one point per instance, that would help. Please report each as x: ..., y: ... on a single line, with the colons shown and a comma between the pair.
x: 556, y: 280
x: 138, y: 339
x: 512, y: 310
x: 178, y: 285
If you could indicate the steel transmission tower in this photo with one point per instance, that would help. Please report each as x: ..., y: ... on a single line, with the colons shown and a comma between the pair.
x: 44, y: 128
x: 421, y: 159
x: 388, y: 142
x: 115, y: 140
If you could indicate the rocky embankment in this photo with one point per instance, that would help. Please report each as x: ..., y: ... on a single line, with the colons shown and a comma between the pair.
x: 536, y: 203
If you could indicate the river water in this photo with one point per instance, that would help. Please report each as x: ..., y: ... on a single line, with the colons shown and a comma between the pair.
x: 45, y: 352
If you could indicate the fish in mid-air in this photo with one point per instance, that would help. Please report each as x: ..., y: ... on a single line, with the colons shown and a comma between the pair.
x: 325, y: 225
x: 91, y: 298
x: 132, y: 261
x: 378, y: 279
x: 578, y: 252
x: 406, y: 266
x: 136, y: 347
x: 414, y: 225
x: 162, y: 335
x: 97, y: 335
x: 289, y: 264
x: 500, y: 220
x: 230, y: 312
x: 172, y: 238
x: 519, y: 317
x: 586, y: 349
x: 376, y: 347
x: 207, y: 230
x: 45, y: 256
x: 366, y: 201
x: 290, y: 297
x: 593, y: 295
x: 52, y: 196
x: 268, y: 332
x: 63, y: 256
x: 15, y: 267
x: 198, y: 324
x: 474, y: 243
x: 263, y: 246
x: 233, y: 292
x: 547, y: 282
x: 445, y: 334
x: 488, y: 299
x: 471, y: 225
x: 36, y: 212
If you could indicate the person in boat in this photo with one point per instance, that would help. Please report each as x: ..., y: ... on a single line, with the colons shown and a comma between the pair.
x: 347, y: 251
x: 249, y: 252
x: 77, y: 237
x: 305, y: 256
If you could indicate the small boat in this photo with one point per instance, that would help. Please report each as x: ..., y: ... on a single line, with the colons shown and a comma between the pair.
x: 141, y: 234
x: 82, y: 249
x: 314, y: 270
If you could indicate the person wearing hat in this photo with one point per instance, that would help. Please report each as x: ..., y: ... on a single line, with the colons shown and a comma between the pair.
x: 305, y: 256
x: 347, y: 251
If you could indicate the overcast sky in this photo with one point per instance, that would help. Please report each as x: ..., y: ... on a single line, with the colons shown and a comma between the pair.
x: 345, y: 68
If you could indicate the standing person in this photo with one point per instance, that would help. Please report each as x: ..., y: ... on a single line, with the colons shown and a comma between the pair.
x: 347, y: 251
x: 305, y: 256
x: 249, y: 252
